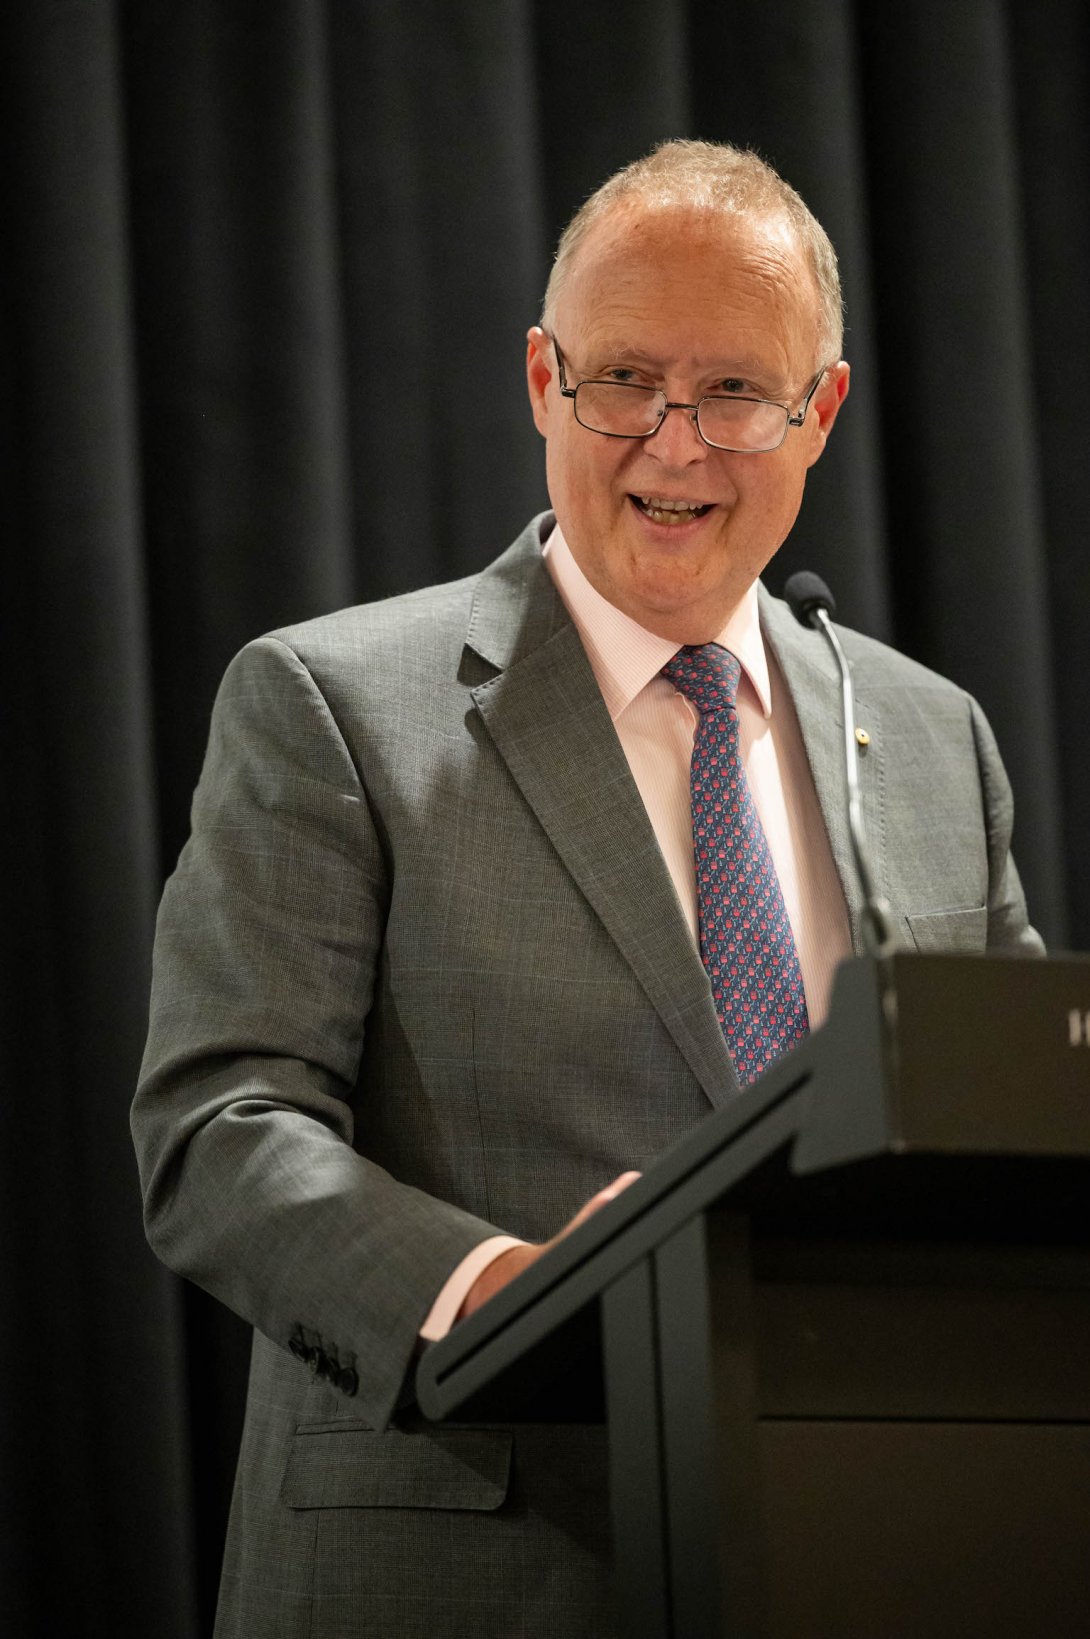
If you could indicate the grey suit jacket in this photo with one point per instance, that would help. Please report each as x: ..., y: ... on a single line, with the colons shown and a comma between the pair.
x: 421, y: 975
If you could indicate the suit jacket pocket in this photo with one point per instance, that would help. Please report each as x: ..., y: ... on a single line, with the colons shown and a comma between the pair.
x: 935, y: 931
x: 354, y: 1467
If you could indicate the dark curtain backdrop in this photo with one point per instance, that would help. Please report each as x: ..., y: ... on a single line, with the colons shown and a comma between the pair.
x: 266, y: 273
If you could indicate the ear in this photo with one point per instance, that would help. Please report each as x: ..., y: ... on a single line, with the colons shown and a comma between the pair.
x: 825, y: 406
x: 539, y: 373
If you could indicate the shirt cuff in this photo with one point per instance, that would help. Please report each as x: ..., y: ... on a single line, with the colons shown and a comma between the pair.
x: 444, y: 1311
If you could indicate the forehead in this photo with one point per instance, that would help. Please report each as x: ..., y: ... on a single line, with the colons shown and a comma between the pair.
x: 693, y: 285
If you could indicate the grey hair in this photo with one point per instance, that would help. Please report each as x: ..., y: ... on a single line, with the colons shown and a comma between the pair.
x: 710, y: 177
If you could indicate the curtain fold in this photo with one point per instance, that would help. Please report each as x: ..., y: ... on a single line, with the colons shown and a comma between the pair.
x: 94, y: 1405
x: 266, y: 282
x: 1049, y: 51
x: 961, y: 433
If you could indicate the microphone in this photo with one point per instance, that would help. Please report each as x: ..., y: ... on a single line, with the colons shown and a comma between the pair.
x: 812, y: 605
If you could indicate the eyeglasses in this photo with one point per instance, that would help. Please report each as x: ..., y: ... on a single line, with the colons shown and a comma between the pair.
x: 621, y: 409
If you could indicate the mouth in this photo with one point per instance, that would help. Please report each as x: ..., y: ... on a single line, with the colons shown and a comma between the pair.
x: 671, y: 513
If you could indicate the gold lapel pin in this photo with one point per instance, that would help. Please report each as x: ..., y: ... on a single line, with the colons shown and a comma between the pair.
x: 862, y: 738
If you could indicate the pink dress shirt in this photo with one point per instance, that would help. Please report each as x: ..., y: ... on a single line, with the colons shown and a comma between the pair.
x: 656, y: 725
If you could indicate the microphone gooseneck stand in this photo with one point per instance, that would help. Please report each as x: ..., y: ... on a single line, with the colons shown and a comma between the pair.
x: 811, y: 603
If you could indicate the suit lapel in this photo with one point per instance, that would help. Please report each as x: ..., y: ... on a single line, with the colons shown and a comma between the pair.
x: 549, y: 723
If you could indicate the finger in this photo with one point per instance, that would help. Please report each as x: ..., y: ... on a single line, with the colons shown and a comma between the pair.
x: 622, y: 1181
x: 589, y: 1208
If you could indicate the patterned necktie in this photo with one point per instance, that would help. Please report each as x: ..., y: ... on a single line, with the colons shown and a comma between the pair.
x: 746, y: 942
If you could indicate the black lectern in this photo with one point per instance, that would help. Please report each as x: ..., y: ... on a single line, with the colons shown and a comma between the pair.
x: 841, y: 1331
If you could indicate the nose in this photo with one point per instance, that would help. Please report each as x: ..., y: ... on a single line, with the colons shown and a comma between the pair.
x: 675, y: 441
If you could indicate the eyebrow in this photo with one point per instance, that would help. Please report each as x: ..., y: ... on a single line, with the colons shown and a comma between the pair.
x: 739, y: 365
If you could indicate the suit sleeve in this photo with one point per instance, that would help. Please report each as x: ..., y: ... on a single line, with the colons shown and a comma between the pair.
x: 267, y: 943
x: 1008, y: 923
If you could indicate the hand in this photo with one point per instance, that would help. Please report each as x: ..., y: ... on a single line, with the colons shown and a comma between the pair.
x: 502, y: 1270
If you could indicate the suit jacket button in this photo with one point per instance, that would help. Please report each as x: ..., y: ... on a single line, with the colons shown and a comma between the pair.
x: 347, y: 1380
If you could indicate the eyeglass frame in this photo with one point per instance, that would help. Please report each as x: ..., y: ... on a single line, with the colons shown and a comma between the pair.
x: 790, y: 420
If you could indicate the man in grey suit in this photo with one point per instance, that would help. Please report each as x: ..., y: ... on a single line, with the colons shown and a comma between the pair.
x: 428, y: 978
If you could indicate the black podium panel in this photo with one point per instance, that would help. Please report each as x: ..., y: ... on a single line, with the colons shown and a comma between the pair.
x: 923, y: 1530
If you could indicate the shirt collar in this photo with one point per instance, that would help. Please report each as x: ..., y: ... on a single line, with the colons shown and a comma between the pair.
x: 624, y: 655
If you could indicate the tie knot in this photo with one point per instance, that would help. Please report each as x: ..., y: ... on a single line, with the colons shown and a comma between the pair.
x: 706, y: 674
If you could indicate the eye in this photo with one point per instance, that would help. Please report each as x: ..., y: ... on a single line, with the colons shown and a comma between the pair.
x: 735, y: 384
x: 624, y: 373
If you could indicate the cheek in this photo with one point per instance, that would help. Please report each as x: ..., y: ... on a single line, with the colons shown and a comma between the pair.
x: 586, y: 474
x: 777, y: 491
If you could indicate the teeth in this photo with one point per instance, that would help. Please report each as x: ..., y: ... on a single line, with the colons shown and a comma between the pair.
x: 663, y: 511
x: 670, y: 506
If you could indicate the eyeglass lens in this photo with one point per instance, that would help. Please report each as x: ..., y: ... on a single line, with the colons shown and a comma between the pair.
x: 635, y: 412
